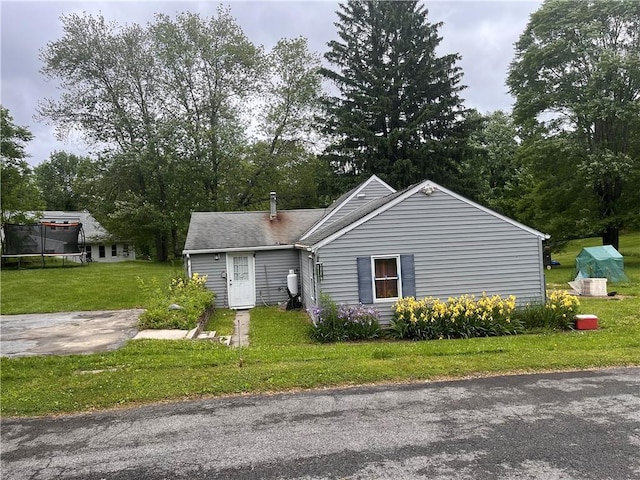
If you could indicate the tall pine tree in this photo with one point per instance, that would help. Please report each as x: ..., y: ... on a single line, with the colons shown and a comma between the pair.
x: 399, y: 114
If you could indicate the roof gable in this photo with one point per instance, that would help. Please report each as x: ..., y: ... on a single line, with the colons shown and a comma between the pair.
x: 371, y: 189
x: 375, y: 207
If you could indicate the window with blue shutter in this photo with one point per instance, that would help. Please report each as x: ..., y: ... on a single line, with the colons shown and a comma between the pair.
x: 384, y: 278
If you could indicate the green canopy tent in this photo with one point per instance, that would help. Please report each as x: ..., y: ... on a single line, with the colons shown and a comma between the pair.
x: 601, y: 262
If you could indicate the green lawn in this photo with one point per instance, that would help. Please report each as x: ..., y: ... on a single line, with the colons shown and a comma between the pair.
x: 93, y: 286
x: 558, y: 277
x: 281, y: 357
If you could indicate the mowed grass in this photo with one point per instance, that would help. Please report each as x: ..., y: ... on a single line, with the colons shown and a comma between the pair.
x: 629, y: 247
x: 222, y: 322
x: 74, y: 287
x: 281, y: 357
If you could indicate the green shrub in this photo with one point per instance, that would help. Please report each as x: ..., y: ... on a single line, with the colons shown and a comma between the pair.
x: 462, y: 317
x: 556, y: 314
x: 333, y: 323
x: 190, y: 294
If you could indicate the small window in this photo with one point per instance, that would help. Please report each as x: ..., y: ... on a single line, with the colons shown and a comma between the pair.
x: 114, y: 250
x: 101, y: 252
x: 386, y: 278
x: 125, y: 250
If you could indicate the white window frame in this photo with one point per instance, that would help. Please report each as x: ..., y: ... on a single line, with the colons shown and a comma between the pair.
x: 373, y: 277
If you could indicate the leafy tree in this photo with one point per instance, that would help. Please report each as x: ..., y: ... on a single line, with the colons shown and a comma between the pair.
x: 64, y: 181
x: 170, y: 103
x: 282, y: 159
x: 166, y: 102
x: 399, y: 114
x: 210, y: 74
x: 19, y: 195
x: 495, y: 163
x: 576, y: 79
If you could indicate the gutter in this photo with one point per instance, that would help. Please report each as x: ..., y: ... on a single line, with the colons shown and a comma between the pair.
x: 237, y: 249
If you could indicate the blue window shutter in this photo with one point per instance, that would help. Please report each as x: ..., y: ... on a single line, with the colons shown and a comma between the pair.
x: 408, y: 276
x: 365, y: 293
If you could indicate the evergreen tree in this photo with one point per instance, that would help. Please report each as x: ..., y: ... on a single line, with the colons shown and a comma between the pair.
x: 399, y: 114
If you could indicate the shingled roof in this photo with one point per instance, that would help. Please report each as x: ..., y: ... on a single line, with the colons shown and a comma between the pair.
x: 220, y: 231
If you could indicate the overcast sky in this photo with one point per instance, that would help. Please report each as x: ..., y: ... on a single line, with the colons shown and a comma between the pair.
x: 482, y: 32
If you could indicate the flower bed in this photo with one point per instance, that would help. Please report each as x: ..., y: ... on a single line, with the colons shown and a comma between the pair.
x: 556, y: 314
x: 461, y: 317
x: 432, y: 318
x: 189, y: 294
x: 333, y: 323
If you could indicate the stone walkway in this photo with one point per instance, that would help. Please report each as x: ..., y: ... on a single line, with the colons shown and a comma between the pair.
x: 240, y: 337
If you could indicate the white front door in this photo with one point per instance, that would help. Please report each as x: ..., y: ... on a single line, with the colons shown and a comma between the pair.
x: 241, y: 280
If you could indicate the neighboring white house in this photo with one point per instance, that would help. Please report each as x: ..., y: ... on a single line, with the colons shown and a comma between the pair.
x: 99, y: 245
x: 372, y: 246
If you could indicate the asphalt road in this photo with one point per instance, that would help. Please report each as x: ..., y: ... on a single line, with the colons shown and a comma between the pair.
x: 581, y: 425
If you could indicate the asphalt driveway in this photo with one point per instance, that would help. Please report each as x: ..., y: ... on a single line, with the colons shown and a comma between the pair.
x: 66, y: 333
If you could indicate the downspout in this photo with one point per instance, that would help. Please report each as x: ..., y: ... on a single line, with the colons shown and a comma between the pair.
x: 543, y: 275
x: 188, y: 264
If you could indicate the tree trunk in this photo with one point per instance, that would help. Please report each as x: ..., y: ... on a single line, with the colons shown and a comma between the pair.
x: 174, y: 243
x: 611, y: 236
x: 162, y: 251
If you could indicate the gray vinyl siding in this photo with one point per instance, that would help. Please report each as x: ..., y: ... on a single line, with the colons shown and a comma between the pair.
x: 272, y: 268
x: 371, y: 191
x: 458, y: 249
x: 206, y: 264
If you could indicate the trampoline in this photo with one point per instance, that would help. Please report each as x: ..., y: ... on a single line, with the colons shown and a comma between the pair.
x: 44, y: 239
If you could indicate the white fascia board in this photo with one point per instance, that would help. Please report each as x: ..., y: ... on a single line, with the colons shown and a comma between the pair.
x: 236, y: 249
x: 413, y: 191
x: 323, y: 220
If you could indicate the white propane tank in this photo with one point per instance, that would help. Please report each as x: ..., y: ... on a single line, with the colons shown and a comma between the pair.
x: 292, y: 282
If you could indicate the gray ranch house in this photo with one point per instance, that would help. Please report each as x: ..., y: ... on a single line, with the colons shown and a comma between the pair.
x: 372, y: 246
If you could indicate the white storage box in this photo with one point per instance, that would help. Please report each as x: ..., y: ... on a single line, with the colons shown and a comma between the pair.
x: 594, y: 287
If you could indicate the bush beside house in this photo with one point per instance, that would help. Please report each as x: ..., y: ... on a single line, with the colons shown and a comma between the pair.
x: 179, y: 306
x: 334, y: 323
